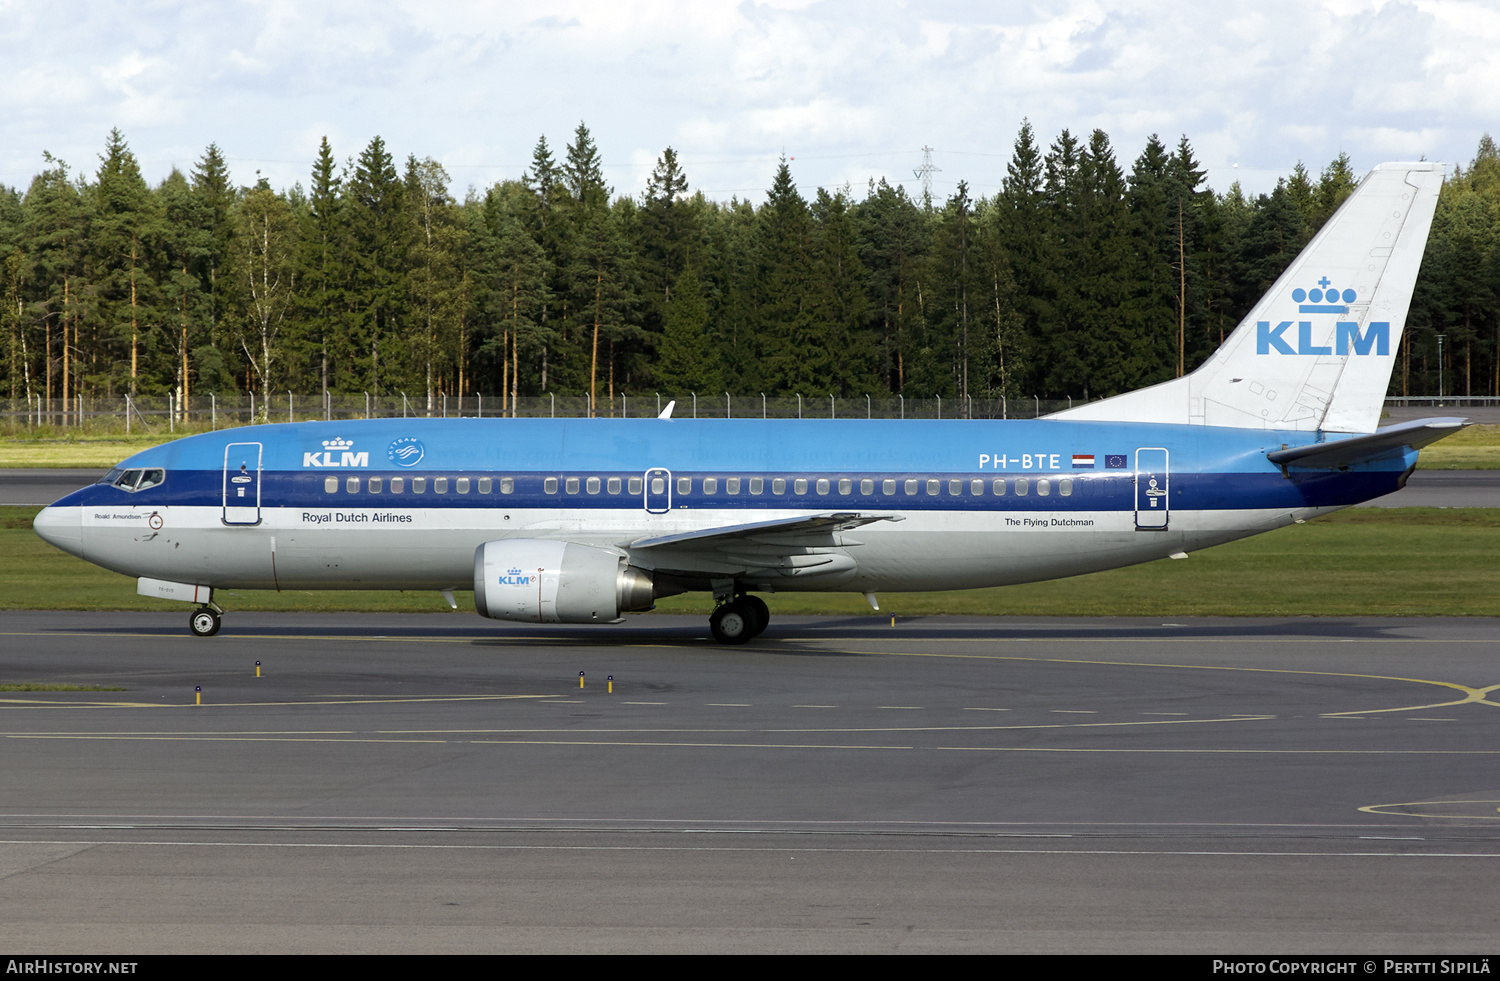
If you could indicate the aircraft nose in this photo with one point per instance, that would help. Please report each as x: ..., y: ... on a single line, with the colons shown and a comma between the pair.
x: 61, y: 527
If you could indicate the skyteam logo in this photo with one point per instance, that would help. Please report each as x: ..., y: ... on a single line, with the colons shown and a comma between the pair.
x: 406, y: 451
x: 1348, y: 338
x: 336, y: 452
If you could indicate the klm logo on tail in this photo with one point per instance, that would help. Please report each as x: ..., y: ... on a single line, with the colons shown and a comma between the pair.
x: 1348, y: 338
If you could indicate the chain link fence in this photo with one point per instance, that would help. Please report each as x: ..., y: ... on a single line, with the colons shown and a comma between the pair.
x: 168, y: 414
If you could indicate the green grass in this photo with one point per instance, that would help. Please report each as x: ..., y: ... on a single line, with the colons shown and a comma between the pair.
x: 1360, y: 562
x: 1475, y: 448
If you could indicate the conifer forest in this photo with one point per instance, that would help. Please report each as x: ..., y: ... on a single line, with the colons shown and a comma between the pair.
x: 1080, y: 278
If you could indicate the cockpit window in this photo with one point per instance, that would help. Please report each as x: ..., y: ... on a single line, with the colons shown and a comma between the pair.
x: 137, y: 480
x: 112, y: 476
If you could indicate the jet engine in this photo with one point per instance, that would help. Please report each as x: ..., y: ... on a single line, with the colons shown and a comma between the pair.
x: 544, y: 581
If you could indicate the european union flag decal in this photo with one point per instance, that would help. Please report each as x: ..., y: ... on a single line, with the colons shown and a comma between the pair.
x: 1115, y: 461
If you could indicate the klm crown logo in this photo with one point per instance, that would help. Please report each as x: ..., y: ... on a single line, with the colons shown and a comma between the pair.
x: 1348, y: 338
x: 337, y: 444
x: 1323, y: 298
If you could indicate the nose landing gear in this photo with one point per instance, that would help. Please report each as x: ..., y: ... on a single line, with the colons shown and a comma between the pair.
x: 205, y: 621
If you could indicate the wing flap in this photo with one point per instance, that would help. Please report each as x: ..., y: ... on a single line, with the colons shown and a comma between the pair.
x: 777, y: 533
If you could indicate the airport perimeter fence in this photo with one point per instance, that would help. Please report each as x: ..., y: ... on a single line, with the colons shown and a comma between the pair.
x: 170, y: 414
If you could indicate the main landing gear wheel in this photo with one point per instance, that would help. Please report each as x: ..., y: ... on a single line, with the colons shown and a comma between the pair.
x: 733, y: 623
x: 204, y: 622
x: 758, y: 609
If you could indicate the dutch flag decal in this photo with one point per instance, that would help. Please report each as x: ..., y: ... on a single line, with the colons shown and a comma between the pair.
x: 1083, y: 461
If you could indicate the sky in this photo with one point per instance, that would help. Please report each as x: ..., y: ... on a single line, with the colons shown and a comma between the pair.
x: 847, y: 91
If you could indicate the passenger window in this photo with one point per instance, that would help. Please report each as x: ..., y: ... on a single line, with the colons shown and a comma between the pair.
x: 887, y: 487
x: 822, y: 485
x: 867, y: 486
x: 998, y: 487
x: 658, y: 485
x: 1021, y: 486
x: 375, y: 484
x: 684, y: 485
x: 440, y: 485
x: 613, y: 485
x: 911, y: 486
x: 1043, y: 487
x: 592, y: 486
x: 757, y: 485
x: 778, y: 485
x: 976, y: 487
x: 549, y: 486
x: 846, y: 486
x: 932, y: 487
x: 461, y: 485
x: 485, y: 485
x: 418, y: 485
x: 330, y: 485
x: 1065, y: 487
x: 571, y: 485
x: 731, y: 485
x: 799, y: 486
x: 955, y: 488
x: 352, y: 485
x: 507, y: 485
x: 710, y: 485
x: 397, y: 483
x: 636, y: 485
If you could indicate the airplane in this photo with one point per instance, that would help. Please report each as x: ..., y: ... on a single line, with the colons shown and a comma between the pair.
x: 584, y: 520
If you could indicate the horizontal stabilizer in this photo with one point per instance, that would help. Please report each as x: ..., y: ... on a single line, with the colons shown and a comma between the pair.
x: 824, y: 523
x: 1345, y: 452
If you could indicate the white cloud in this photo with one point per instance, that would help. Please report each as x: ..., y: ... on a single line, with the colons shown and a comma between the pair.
x: 853, y: 89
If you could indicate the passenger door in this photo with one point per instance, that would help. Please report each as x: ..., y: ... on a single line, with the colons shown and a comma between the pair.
x: 1152, y: 502
x: 242, y: 483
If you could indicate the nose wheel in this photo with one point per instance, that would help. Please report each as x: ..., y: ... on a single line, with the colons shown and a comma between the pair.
x: 204, y: 622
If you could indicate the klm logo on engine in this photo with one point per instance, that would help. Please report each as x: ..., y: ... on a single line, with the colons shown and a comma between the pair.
x: 513, y: 577
x: 336, y: 452
x: 1348, y: 338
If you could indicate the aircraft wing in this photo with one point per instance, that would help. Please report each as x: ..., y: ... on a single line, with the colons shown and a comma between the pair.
x: 764, y: 551
x: 1340, y: 453
x: 817, y: 528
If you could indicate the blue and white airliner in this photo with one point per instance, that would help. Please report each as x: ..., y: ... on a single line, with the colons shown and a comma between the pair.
x: 583, y: 520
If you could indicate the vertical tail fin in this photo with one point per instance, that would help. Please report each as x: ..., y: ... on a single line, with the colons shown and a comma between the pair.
x: 1316, y: 352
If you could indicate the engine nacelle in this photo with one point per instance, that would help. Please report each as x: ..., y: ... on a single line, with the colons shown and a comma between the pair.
x: 544, y: 581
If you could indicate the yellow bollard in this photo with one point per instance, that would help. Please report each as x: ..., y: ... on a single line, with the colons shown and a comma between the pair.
x: 611, y: 680
x: 198, y: 695
x: 893, y: 619
x: 580, y: 679
x: 257, y: 669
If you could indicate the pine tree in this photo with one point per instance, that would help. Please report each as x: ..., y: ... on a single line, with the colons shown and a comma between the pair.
x: 126, y: 229
x: 379, y: 237
x: 687, y: 360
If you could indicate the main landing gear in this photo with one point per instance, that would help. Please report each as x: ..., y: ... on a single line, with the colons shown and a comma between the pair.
x: 739, y: 620
x: 205, y: 621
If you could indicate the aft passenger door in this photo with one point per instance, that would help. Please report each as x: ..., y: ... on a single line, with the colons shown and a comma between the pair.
x: 658, y: 498
x: 1152, y: 502
x: 242, y: 484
